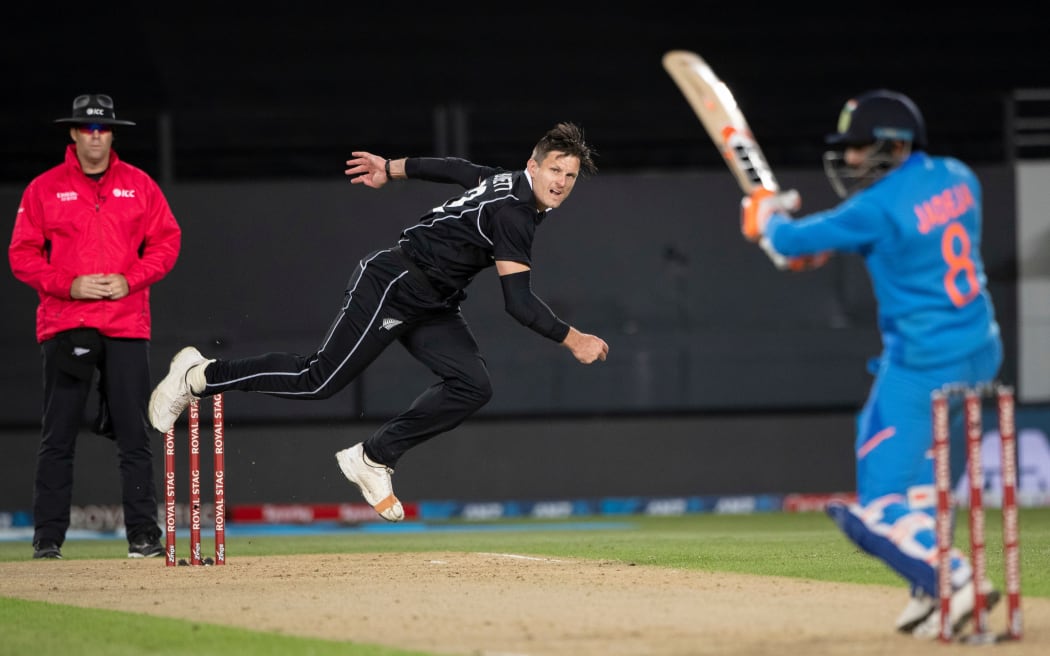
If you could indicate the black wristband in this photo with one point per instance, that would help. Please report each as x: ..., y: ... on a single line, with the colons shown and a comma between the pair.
x: 387, y: 166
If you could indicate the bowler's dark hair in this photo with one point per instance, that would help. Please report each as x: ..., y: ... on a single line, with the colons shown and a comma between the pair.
x: 566, y: 138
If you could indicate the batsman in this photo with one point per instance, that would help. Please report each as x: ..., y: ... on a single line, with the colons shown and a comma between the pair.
x: 915, y: 219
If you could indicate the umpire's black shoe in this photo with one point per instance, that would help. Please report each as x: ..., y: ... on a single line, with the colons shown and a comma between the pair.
x: 47, y: 549
x: 145, y: 547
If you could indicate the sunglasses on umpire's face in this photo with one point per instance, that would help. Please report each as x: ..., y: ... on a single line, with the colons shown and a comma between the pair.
x: 90, y: 128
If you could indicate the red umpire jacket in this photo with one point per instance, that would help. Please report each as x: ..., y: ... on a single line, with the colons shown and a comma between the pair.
x: 69, y: 225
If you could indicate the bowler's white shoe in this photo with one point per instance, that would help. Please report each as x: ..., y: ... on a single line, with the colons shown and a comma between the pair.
x: 373, y: 479
x: 173, y: 394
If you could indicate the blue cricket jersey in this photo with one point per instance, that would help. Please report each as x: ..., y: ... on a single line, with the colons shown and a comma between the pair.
x: 919, y: 232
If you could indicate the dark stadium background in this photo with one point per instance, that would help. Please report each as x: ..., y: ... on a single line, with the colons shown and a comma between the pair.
x: 729, y: 376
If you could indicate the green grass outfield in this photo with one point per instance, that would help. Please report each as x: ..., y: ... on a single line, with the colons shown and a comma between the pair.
x: 803, y: 545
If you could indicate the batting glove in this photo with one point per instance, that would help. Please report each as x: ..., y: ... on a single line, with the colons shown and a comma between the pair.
x: 762, y: 203
x: 755, y: 211
x: 807, y: 262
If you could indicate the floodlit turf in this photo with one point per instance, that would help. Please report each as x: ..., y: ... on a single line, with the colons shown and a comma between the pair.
x: 29, y: 627
x: 805, y: 545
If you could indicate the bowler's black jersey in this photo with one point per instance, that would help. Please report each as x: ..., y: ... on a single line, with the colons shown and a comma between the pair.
x: 493, y: 220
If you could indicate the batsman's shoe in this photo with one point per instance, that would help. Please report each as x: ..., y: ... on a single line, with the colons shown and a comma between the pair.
x: 919, y: 607
x: 172, y: 394
x: 961, y: 611
x: 373, y: 479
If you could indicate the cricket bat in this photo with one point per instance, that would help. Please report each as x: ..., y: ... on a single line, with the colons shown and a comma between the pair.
x: 717, y: 109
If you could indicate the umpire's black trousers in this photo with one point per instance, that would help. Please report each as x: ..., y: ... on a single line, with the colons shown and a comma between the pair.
x: 125, y: 386
x: 387, y: 299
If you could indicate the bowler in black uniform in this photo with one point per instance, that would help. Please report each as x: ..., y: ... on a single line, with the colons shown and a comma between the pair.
x: 411, y: 293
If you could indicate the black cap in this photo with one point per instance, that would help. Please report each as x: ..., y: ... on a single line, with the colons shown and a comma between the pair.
x: 93, y: 108
x: 878, y: 115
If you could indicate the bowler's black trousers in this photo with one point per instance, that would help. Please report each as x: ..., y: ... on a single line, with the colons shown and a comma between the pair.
x: 125, y: 384
x: 386, y: 299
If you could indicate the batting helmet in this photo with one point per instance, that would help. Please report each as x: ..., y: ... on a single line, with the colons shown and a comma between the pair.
x: 878, y: 116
